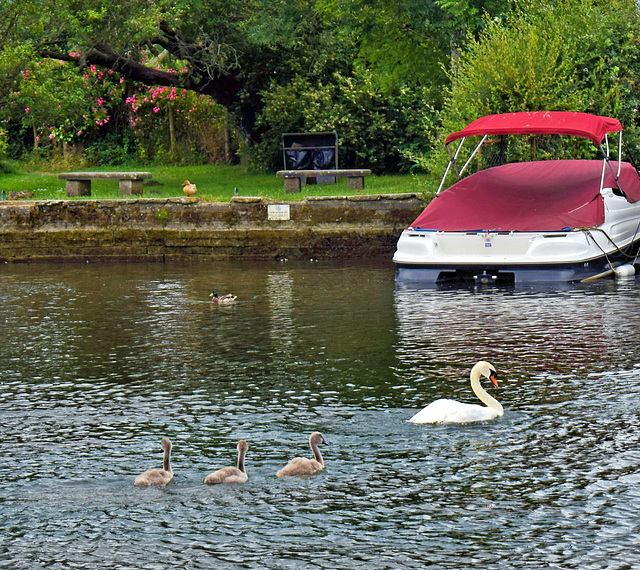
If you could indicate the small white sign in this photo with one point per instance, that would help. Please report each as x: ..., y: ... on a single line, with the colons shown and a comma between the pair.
x: 278, y: 212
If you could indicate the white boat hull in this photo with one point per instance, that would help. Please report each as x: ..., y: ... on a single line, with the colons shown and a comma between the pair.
x: 518, y: 257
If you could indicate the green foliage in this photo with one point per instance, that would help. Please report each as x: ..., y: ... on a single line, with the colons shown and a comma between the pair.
x: 4, y: 144
x: 59, y: 103
x: 569, y: 55
x: 5, y: 165
x: 199, y: 125
x: 375, y: 130
x: 114, y: 149
x: 407, y: 41
x: 55, y: 105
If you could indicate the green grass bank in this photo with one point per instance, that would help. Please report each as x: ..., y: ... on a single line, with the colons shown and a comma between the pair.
x: 214, y: 183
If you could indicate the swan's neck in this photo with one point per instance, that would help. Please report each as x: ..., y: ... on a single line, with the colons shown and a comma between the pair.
x: 483, y: 396
x: 241, y: 455
x: 166, y: 464
x: 316, y: 453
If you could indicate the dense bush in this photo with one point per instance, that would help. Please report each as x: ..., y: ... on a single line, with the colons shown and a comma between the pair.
x: 570, y: 56
x: 57, y: 113
x: 375, y: 129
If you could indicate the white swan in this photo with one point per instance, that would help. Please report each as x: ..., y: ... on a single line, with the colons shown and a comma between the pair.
x: 158, y: 477
x: 301, y: 466
x: 231, y: 474
x: 452, y: 412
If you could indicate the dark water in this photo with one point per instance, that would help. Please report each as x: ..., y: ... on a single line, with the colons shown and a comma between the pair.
x: 99, y: 362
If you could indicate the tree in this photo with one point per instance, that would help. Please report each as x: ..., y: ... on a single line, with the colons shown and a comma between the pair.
x: 407, y: 42
x: 232, y: 49
x: 570, y: 55
x: 120, y: 35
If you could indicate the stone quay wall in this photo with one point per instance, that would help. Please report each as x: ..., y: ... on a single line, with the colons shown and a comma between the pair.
x: 154, y: 229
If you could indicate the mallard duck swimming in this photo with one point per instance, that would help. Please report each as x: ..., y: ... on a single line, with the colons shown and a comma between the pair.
x: 222, y: 300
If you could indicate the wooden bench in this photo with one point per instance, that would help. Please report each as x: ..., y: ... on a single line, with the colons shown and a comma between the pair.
x: 79, y: 183
x: 292, y: 178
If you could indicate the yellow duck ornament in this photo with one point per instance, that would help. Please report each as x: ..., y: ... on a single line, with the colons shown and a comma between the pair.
x: 188, y: 188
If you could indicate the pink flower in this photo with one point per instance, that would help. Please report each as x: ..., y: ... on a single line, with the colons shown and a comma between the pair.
x: 79, y: 132
x: 72, y: 54
x: 156, y: 109
x: 52, y: 136
x: 27, y: 110
x: 100, y: 101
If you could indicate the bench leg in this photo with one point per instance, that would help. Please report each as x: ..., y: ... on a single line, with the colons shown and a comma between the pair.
x: 131, y: 187
x: 355, y: 182
x: 292, y: 185
x: 78, y: 187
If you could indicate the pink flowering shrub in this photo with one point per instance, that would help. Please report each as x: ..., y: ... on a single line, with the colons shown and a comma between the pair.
x: 59, y: 105
x: 55, y: 106
x: 177, y: 125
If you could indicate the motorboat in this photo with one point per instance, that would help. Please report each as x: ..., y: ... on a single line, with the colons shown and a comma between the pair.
x: 554, y: 218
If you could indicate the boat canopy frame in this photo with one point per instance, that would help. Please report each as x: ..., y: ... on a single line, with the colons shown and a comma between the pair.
x: 584, y: 125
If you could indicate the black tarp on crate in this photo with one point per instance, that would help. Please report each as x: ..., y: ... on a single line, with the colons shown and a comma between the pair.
x: 311, y: 151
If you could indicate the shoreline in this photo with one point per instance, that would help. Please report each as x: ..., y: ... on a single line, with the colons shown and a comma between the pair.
x: 163, y: 229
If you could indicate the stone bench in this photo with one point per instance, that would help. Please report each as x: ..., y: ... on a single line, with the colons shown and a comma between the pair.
x: 79, y: 183
x: 292, y: 178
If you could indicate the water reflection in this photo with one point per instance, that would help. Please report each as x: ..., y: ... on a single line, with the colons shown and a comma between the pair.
x: 100, y: 362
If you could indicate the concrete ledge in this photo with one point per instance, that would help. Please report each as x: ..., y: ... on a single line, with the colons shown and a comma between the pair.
x: 156, y: 229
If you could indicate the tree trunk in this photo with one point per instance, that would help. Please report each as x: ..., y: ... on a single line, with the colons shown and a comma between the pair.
x: 172, y: 130
x: 227, y: 141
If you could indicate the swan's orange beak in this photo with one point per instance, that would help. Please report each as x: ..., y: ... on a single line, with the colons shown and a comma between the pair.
x: 494, y: 378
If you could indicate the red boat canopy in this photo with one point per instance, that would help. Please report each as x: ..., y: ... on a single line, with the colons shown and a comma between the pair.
x: 583, y: 125
x: 529, y: 196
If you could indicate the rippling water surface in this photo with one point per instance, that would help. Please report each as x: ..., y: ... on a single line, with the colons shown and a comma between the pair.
x: 99, y: 362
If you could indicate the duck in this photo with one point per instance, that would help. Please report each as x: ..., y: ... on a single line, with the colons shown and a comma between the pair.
x: 446, y: 411
x: 231, y: 474
x: 222, y: 300
x: 188, y: 188
x: 301, y: 466
x: 160, y: 477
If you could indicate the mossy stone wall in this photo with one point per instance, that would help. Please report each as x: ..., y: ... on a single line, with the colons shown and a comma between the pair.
x: 148, y: 229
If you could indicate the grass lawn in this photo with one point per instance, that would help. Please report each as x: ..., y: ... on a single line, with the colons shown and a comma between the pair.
x: 214, y: 183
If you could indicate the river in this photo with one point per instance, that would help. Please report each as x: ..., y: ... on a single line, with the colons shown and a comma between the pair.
x: 100, y: 361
